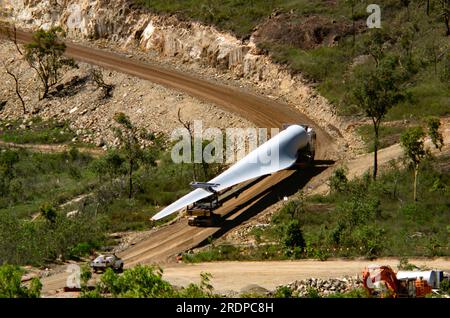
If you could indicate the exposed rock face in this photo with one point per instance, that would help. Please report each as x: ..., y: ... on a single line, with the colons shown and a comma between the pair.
x: 125, y: 24
x: 80, y: 102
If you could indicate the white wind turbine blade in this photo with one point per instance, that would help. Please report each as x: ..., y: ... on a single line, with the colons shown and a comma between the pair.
x: 278, y: 153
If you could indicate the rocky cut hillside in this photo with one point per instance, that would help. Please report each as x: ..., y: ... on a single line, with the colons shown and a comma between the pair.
x: 196, y: 46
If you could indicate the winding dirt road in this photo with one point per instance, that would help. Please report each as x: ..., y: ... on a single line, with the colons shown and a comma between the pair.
x: 177, y: 237
x: 162, y: 244
x: 263, y: 112
x: 254, y: 198
x: 50, y: 148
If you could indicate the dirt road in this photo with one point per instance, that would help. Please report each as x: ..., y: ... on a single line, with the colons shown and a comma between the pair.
x: 234, y: 276
x: 358, y: 166
x: 263, y: 112
x: 255, y: 197
x: 175, y: 238
x: 172, y: 239
x: 49, y: 148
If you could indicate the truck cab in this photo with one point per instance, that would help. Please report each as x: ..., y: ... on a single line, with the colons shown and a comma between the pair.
x: 306, y: 155
x: 201, y: 213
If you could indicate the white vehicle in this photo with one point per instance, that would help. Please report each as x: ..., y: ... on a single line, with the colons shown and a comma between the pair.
x: 102, y: 262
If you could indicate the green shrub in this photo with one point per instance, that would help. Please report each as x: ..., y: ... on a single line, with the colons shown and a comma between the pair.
x: 48, y: 212
x: 293, y: 240
x: 411, y: 211
x: 358, y: 210
x: 445, y: 286
x: 35, y: 243
x: 204, y: 290
x: 338, y: 180
x: 90, y: 294
x: 370, y: 239
x: 81, y: 249
x: 139, y: 282
x: 283, y: 292
x: 11, y: 286
x: 39, y: 132
x: 146, y: 282
x: 354, y: 293
x: 312, y: 293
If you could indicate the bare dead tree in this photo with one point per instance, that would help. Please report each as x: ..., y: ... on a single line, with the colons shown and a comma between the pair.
x: 12, y: 36
x: 17, y: 86
x: 188, y: 126
x: 97, y: 77
x: 445, y: 13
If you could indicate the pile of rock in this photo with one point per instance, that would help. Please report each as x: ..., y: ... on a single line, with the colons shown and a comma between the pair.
x: 324, y: 287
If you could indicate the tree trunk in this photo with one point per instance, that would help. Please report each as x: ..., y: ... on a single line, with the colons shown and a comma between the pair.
x: 353, y: 29
x: 16, y: 80
x: 194, y: 165
x: 45, y: 94
x: 375, y: 152
x: 428, y: 7
x: 435, y: 63
x: 130, y: 176
x: 416, y: 170
x: 205, y: 170
x: 20, y: 96
x: 447, y: 25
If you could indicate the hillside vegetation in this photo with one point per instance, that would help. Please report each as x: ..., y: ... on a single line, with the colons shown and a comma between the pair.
x: 51, y: 202
x: 34, y: 224
x: 399, y: 73
x: 329, y: 43
x: 63, y: 205
x: 358, y: 218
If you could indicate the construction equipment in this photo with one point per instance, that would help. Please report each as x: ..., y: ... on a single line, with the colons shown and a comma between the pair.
x: 383, y: 281
x: 306, y: 154
x: 201, y: 213
x: 380, y: 280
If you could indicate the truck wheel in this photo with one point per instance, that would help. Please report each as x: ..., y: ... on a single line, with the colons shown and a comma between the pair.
x: 120, y: 269
x: 306, y: 156
x: 311, y: 156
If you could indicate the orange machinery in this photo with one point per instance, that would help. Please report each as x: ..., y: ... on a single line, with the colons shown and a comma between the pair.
x: 383, y: 280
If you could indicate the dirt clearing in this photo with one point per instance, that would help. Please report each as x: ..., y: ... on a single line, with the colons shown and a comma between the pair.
x: 234, y: 276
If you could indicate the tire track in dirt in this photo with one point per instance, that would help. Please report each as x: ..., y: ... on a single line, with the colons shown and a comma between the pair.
x: 51, y: 148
